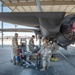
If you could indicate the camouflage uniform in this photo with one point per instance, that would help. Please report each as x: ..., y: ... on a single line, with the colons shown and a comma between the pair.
x: 15, y: 46
x: 46, y: 54
x: 31, y: 45
x: 55, y: 48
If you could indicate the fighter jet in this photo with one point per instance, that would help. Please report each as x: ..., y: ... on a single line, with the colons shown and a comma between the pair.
x: 53, y: 25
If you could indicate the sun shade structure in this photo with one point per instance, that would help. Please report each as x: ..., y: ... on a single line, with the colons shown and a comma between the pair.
x: 47, y: 5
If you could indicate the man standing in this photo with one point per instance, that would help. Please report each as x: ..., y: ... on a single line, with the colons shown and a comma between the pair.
x: 55, y: 51
x: 15, y: 49
x: 46, y: 54
x: 31, y: 43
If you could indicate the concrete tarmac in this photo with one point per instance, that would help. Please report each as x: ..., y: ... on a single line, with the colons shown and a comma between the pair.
x: 62, y: 67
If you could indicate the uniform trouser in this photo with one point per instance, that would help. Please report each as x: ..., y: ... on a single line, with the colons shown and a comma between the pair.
x: 15, y: 55
x: 54, y: 53
x: 46, y: 60
x: 31, y: 48
x: 16, y: 60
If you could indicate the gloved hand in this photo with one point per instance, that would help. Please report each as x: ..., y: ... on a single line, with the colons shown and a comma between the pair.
x: 37, y: 53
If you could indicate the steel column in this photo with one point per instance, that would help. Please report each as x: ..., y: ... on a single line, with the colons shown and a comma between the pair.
x: 40, y: 9
x: 2, y: 24
x: 39, y: 5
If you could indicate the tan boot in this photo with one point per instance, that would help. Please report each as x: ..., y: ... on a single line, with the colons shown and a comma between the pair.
x: 43, y: 69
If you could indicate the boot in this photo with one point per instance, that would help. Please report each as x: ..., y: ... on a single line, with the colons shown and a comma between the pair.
x: 14, y: 60
x: 14, y: 63
x: 17, y: 62
x: 43, y: 69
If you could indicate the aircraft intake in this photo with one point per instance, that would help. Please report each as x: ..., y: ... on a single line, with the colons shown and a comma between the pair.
x: 67, y: 31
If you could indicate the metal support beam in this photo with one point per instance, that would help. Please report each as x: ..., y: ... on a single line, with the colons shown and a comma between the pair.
x: 41, y: 2
x: 2, y: 1
x: 14, y: 9
x: 39, y: 5
x: 40, y: 43
x: 2, y: 24
x: 40, y: 9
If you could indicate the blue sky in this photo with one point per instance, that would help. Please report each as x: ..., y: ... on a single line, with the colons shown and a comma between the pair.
x: 8, y: 25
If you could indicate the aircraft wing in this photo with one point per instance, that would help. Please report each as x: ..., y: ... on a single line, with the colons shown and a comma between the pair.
x: 18, y: 30
x: 47, y: 22
x: 29, y: 18
x: 20, y: 18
